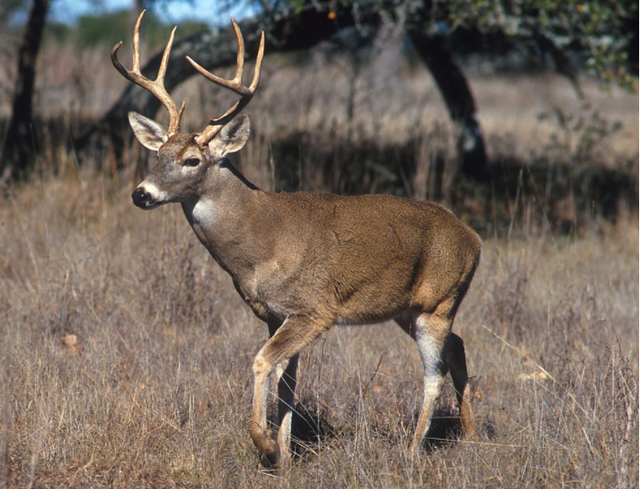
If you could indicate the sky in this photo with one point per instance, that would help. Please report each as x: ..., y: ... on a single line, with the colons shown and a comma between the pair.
x: 172, y: 12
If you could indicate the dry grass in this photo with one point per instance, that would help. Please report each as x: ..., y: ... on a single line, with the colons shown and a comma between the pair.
x: 155, y: 388
x: 126, y: 352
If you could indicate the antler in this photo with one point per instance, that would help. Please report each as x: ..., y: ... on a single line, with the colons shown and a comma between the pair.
x: 246, y: 93
x: 155, y: 87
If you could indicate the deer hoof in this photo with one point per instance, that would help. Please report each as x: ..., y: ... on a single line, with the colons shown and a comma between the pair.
x: 269, y: 460
x: 268, y: 447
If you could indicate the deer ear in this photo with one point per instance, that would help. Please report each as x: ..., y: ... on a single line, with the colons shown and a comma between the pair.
x: 232, y: 137
x: 150, y: 134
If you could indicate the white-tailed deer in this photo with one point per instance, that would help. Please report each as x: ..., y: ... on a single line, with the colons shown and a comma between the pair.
x: 306, y: 261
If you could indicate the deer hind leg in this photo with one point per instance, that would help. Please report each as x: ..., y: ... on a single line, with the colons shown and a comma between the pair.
x: 294, y: 334
x: 430, y: 333
x: 458, y: 369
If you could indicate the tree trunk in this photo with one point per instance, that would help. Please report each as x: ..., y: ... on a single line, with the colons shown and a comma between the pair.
x: 459, y: 101
x: 18, y: 154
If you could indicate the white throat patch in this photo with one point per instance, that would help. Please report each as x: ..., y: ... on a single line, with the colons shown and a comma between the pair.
x: 204, y: 212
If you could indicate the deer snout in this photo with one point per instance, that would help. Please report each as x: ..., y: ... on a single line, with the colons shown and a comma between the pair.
x: 140, y: 197
x: 143, y: 199
x: 148, y: 196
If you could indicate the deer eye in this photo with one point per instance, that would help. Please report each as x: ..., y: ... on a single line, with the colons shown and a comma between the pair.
x: 192, y: 162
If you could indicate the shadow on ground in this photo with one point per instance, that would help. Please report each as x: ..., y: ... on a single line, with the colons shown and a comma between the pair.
x: 310, y: 430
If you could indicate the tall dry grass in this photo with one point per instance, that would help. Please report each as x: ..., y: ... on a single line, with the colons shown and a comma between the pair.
x: 126, y: 353
x: 126, y: 362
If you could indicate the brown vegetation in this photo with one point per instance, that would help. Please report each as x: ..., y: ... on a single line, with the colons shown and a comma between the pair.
x: 126, y: 353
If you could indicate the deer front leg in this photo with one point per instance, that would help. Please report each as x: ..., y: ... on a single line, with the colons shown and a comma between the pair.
x: 294, y: 334
x: 258, y: 430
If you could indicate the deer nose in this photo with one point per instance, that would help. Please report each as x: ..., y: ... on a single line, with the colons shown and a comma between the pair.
x: 140, y: 197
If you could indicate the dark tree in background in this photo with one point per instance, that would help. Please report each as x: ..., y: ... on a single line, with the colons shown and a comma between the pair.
x: 19, y: 149
x: 295, y: 29
x: 457, y: 96
x: 600, y: 35
x: 597, y: 31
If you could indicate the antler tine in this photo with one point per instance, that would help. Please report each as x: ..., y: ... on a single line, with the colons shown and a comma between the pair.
x: 136, y: 42
x: 235, y: 84
x: 155, y: 87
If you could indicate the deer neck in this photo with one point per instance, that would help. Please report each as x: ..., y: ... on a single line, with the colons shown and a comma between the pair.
x: 227, y: 216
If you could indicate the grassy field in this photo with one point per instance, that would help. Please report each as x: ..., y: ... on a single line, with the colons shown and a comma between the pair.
x: 127, y: 362
x: 126, y: 352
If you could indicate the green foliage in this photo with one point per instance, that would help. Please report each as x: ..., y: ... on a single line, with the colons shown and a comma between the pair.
x: 107, y: 28
x: 602, y: 32
x: 602, y: 29
x: 56, y: 31
x: 110, y: 28
x: 10, y: 7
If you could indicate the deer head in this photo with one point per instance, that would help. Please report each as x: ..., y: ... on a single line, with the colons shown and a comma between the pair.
x: 183, y: 159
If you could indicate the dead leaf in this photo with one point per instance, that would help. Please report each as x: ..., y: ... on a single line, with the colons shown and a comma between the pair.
x: 538, y: 375
x: 69, y: 343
